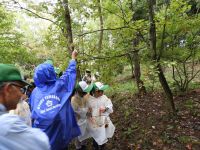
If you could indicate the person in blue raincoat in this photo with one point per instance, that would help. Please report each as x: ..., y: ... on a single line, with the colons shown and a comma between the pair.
x: 50, y: 104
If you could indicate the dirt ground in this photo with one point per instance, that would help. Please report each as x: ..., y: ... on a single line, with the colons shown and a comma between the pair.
x: 144, y: 122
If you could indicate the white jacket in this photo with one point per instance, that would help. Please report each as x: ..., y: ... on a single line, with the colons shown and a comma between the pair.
x: 100, y: 126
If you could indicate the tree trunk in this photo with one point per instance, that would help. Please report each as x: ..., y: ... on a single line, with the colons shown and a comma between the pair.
x: 131, y: 63
x: 166, y: 87
x: 101, y: 25
x: 137, y: 73
x: 99, y: 3
x: 152, y: 34
x: 137, y: 70
x: 69, y: 34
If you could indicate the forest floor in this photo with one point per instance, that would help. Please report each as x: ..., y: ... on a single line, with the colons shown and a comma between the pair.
x: 143, y: 122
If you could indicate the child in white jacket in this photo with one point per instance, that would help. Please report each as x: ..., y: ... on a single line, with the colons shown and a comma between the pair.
x: 99, y: 124
x: 78, y: 102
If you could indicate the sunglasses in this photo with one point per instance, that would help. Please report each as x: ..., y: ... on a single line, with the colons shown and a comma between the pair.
x: 23, y: 89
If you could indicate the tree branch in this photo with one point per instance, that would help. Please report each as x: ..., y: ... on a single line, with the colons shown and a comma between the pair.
x: 90, y: 57
x: 114, y: 14
x: 36, y: 15
x: 30, y: 11
x: 106, y: 29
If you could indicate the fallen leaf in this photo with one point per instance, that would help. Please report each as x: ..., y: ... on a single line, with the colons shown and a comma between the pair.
x: 189, y: 146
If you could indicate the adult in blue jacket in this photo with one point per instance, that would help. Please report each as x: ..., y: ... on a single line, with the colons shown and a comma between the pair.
x: 50, y: 104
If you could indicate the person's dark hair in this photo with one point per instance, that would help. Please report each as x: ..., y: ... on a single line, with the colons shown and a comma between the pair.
x: 92, y: 91
x: 25, y: 77
x: 33, y: 85
x: 87, y: 71
x: 60, y: 74
x: 80, y: 91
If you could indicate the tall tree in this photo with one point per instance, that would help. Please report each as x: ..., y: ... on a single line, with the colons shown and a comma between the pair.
x: 135, y: 44
x: 156, y: 55
x: 101, y: 25
x: 137, y: 70
x: 69, y: 34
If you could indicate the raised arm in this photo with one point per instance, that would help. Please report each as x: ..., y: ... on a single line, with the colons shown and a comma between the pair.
x: 69, y: 76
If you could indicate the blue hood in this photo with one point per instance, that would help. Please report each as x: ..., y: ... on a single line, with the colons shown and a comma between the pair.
x: 44, y: 75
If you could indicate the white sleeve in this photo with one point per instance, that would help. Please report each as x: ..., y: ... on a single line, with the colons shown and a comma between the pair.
x: 108, y: 107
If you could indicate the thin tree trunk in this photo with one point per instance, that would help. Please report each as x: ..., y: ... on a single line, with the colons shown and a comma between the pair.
x: 99, y: 3
x: 69, y: 34
x: 155, y: 57
x: 137, y: 73
x: 101, y: 25
x: 131, y: 63
x: 137, y: 70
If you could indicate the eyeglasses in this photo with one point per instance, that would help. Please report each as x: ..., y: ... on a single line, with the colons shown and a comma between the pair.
x: 23, y: 89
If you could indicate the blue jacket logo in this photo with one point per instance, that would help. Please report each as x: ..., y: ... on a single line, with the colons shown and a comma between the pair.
x: 49, y: 103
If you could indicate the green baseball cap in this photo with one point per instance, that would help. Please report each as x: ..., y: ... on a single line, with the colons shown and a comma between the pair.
x: 10, y: 73
x: 84, y: 86
x: 100, y: 86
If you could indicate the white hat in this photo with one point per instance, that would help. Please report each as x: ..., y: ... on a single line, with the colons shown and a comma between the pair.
x: 84, y: 86
x: 97, y: 74
x: 100, y: 86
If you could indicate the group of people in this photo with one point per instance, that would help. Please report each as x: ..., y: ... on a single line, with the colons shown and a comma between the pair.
x: 55, y: 117
x: 92, y: 109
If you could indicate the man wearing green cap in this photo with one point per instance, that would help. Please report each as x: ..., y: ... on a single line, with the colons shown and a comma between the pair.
x: 14, y: 133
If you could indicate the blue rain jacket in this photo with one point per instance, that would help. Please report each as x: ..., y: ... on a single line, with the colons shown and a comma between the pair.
x: 50, y: 104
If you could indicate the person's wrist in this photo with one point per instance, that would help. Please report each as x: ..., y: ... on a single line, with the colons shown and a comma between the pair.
x: 106, y: 109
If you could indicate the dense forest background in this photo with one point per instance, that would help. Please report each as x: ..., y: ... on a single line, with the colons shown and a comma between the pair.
x: 146, y: 50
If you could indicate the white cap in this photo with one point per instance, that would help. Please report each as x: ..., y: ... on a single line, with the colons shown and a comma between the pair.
x: 97, y: 74
x: 100, y: 86
x: 85, y: 87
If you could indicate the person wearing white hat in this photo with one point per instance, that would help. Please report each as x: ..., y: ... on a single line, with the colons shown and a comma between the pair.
x: 95, y: 77
x: 87, y: 77
x: 99, y: 124
x: 78, y: 102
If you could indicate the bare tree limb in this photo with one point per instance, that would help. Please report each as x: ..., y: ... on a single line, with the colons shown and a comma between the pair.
x: 90, y: 57
x: 30, y: 11
x: 108, y: 29
x: 115, y: 14
x: 36, y: 15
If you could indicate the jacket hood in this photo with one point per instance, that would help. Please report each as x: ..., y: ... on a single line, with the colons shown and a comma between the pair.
x: 44, y: 75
